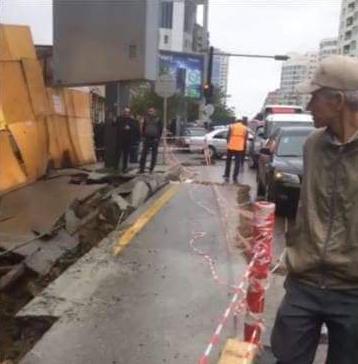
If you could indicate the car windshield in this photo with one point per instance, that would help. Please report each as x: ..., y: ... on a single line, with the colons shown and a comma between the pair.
x: 291, y: 146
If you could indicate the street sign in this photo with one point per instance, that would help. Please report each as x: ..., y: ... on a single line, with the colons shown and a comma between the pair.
x: 165, y: 86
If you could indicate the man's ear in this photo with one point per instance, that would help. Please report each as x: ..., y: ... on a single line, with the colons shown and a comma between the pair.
x: 340, y: 99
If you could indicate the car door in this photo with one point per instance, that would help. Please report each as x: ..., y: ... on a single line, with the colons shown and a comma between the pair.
x: 265, y: 160
x: 219, y: 141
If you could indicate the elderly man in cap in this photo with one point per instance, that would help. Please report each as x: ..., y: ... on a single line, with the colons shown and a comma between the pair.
x: 322, y: 248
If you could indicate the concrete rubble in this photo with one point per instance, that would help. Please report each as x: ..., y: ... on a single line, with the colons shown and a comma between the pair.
x: 101, y: 209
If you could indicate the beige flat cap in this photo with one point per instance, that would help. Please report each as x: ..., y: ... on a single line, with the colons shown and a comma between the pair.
x: 336, y: 72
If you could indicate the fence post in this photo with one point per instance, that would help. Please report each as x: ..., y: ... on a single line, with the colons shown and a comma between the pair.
x: 264, y: 218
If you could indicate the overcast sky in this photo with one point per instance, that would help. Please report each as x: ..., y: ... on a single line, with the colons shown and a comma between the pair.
x: 240, y: 26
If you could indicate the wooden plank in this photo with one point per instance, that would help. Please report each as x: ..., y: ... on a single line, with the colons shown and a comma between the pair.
x: 15, y: 98
x: 36, y: 87
x: 16, y: 43
x: 11, y: 173
x: 238, y: 352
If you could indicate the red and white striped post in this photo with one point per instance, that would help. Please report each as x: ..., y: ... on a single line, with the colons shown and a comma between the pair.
x: 263, y: 225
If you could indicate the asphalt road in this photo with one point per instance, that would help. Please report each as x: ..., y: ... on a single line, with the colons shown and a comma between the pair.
x: 156, y: 302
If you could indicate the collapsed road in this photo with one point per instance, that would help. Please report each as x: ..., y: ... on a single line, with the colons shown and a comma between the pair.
x: 46, y: 227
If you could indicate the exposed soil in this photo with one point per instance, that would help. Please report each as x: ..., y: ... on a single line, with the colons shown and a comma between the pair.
x: 19, y: 335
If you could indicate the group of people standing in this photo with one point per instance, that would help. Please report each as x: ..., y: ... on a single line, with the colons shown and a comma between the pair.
x: 130, y: 132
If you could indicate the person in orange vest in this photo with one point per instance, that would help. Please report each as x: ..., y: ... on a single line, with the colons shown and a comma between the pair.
x: 236, y: 145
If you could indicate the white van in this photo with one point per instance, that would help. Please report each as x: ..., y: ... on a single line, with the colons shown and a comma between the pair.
x: 274, y: 121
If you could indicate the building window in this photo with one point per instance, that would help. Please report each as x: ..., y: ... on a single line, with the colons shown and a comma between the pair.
x: 166, y: 19
x: 189, y: 17
x: 166, y: 39
x: 349, y: 21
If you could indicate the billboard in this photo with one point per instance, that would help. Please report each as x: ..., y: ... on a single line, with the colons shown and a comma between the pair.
x: 98, y: 41
x: 186, y: 69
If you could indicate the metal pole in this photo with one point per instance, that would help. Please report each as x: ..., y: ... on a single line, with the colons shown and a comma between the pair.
x: 165, y: 122
x: 206, y: 46
x: 276, y: 57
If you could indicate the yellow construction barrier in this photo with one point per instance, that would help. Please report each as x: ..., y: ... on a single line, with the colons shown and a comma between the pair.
x: 38, y: 125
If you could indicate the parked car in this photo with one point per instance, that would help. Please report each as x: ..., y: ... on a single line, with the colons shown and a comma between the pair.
x: 280, y: 166
x: 188, y: 133
x: 256, y: 143
x: 272, y: 123
x: 216, y: 141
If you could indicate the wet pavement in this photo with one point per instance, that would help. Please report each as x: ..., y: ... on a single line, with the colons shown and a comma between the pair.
x: 157, y: 301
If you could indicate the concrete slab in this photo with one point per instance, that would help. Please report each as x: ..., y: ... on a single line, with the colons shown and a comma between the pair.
x: 50, y: 251
x: 37, y: 206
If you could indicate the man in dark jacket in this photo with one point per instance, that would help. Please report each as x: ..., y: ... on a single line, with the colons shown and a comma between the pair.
x: 128, y: 135
x: 322, y: 249
x: 152, y: 132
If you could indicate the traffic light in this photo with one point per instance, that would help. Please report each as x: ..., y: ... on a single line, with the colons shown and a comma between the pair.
x: 208, y: 92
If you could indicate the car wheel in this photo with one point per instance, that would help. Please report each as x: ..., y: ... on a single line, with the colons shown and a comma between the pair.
x: 271, y: 197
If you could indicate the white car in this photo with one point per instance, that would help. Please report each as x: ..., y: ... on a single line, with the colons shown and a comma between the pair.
x: 216, y: 141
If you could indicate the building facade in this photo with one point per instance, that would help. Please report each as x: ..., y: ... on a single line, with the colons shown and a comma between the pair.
x: 177, y: 24
x: 274, y: 98
x: 294, y: 71
x: 220, y: 71
x: 348, y: 28
x: 327, y: 47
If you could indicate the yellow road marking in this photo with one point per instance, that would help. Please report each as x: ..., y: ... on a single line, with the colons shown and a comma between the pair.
x: 144, y: 218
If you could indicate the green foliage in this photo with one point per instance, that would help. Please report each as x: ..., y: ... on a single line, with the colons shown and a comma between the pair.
x: 222, y: 113
x: 143, y: 97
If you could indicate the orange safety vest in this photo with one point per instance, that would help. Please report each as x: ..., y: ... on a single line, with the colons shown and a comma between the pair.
x: 237, y: 139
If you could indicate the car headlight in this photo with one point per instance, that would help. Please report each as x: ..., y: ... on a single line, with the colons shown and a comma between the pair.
x: 287, y: 177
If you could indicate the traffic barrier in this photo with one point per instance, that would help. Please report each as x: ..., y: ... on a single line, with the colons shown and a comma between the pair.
x: 263, y: 225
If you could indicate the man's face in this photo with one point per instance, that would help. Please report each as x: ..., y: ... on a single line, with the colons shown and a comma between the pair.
x: 325, y: 110
x: 151, y: 112
x: 127, y: 112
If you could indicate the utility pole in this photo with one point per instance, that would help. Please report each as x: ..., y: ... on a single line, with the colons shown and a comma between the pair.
x: 206, y: 46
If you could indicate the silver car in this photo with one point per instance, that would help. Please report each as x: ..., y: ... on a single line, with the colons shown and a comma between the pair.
x: 216, y: 141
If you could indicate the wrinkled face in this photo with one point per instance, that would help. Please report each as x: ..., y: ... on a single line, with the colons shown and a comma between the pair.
x: 151, y: 111
x: 326, y: 110
x: 127, y: 111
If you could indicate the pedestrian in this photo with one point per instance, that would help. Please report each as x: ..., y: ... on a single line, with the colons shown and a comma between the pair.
x: 236, y: 146
x: 322, y: 249
x: 128, y: 135
x: 152, y: 132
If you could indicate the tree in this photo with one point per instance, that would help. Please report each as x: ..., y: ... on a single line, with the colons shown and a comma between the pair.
x: 143, y: 97
x: 222, y: 113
